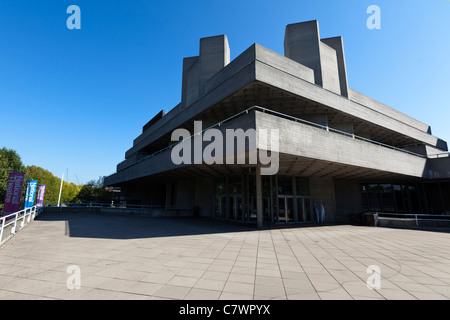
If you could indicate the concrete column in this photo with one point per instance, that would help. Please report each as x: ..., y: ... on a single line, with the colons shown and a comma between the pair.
x: 168, y: 194
x: 348, y: 199
x: 294, y: 193
x: 227, y: 202
x: 205, y: 196
x: 322, y: 191
x: 259, y: 198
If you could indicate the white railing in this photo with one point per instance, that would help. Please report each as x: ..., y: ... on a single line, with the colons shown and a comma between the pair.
x: 378, y: 216
x: 24, y: 216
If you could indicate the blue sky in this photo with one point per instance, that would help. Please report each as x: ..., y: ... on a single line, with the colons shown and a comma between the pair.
x: 74, y: 100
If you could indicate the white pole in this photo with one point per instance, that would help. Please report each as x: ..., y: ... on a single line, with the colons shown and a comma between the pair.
x: 60, y: 189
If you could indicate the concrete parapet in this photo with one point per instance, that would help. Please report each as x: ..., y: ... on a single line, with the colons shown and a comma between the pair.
x: 377, y: 106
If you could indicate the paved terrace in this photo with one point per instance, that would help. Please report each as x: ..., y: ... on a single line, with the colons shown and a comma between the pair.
x: 134, y: 257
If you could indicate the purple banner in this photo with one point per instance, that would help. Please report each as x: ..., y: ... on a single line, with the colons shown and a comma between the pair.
x: 40, y: 195
x: 13, y: 193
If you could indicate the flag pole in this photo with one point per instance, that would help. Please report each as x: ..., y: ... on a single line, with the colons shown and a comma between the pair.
x: 60, y: 189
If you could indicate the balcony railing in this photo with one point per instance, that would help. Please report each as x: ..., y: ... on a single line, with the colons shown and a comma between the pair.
x: 17, y: 221
x: 285, y: 116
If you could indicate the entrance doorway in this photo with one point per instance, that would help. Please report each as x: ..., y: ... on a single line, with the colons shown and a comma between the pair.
x: 285, y: 199
x: 235, y: 203
x: 304, y: 209
x: 286, y: 209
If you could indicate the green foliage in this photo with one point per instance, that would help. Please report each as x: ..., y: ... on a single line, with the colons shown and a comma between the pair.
x: 52, y: 185
x: 10, y: 161
x: 90, y: 192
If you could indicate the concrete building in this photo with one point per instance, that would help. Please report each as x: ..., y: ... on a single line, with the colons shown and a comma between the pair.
x: 339, y: 150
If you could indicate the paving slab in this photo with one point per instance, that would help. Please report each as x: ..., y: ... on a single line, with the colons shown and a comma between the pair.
x: 133, y: 257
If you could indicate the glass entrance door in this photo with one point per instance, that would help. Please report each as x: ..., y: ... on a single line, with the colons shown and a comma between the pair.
x: 286, y: 209
x: 235, y: 207
x: 221, y: 207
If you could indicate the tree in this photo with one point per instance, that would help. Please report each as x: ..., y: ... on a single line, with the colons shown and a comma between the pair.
x: 52, y: 185
x: 10, y: 161
x: 91, y: 192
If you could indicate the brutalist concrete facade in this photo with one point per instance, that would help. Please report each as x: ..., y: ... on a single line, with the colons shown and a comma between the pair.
x: 340, y: 152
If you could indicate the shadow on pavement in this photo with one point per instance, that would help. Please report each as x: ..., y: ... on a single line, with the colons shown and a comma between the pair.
x: 110, y: 226
x: 134, y: 227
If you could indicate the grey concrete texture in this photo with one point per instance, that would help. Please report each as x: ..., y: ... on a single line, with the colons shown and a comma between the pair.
x: 330, y: 69
x: 211, y: 78
x: 277, y: 78
x: 310, y: 142
x: 337, y: 43
x: 306, y: 141
x: 261, y: 64
x: 146, y: 258
x: 302, y: 44
x: 162, y: 162
x: 364, y: 100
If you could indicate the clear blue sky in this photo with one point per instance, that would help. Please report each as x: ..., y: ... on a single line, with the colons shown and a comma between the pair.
x: 76, y: 99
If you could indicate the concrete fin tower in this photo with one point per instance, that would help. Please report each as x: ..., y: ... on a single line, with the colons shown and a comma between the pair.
x: 302, y: 43
x: 214, y: 56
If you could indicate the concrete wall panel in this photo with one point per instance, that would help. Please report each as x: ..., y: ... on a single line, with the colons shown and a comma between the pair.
x: 330, y: 71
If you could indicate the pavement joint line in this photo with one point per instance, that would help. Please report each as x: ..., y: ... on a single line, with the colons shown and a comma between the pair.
x: 256, y: 264
x: 414, y: 261
x: 328, y: 273
x: 278, y: 263
x: 211, y: 244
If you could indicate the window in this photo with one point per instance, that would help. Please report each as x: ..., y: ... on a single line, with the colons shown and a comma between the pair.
x: 302, y: 186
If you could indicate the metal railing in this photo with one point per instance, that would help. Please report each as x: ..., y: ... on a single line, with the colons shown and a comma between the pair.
x: 13, y: 219
x: 286, y: 116
x: 439, y: 155
x: 410, y: 217
x: 103, y: 206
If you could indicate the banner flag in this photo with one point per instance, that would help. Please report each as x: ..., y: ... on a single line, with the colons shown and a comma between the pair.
x: 30, y: 194
x: 40, y: 195
x: 13, y: 193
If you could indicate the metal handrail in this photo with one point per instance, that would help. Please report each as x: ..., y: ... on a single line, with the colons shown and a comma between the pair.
x: 102, y: 206
x: 265, y: 110
x: 439, y: 155
x: 410, y: 216
x: 26, y: 215
x: 98, y: 204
